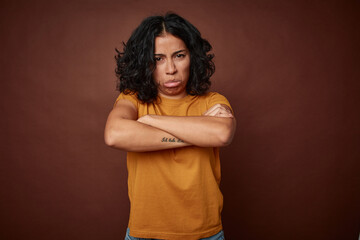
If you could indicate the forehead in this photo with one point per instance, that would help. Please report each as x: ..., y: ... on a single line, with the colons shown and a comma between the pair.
x: 168, y: 43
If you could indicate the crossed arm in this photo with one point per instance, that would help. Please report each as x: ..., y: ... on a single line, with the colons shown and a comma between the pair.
x: 215, y: 128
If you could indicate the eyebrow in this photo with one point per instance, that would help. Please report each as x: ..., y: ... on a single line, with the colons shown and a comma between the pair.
x: 174, y: 53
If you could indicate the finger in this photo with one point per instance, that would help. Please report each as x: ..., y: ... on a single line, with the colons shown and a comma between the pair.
x: 223, y: 110
x: 224, y: 114
x: 207, y: 112
x: 214, y: 112
x: 213, y: 108
x: 220, y: 112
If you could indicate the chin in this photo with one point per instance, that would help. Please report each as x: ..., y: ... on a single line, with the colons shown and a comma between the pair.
x: 174, y: 93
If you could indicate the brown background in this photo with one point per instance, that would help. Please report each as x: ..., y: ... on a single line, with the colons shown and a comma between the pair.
x: 289, y: 68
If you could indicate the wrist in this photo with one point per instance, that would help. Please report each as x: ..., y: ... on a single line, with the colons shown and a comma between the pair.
x: 146, y: 119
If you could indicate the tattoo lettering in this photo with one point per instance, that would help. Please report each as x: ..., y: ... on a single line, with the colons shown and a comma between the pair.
x: 164, y: 139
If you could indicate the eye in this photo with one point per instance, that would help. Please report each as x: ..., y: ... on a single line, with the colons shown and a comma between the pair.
x: 157, y: 59
x: 180, y: 55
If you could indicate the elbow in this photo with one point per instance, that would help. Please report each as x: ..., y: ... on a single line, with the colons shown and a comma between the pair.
x: 227, y: 133
x: 225, y: 140
x: 116, y: 139
x: 113, y: 138
x: 109, y: 138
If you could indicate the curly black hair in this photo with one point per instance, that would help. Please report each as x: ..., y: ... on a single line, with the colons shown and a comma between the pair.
x: 135, y: 65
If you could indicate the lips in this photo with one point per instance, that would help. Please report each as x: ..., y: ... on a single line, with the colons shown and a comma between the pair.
x: 172, y: 83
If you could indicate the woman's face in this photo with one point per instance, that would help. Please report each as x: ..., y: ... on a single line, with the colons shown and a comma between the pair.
x: 172, y: 69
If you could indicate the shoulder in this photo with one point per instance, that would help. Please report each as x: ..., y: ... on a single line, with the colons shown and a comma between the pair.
x: 209, y: 95
x: 213, y: 98
x: 131, y: 97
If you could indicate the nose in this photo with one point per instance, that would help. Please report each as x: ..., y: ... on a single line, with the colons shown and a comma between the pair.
x: 170, y: 67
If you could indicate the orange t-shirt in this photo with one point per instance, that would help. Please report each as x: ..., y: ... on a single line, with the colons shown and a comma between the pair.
x: 174, y: 194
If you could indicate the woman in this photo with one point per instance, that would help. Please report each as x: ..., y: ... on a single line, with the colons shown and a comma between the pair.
x: 172, y: 128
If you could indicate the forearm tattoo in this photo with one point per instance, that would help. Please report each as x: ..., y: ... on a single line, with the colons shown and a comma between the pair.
x: 165, y: 139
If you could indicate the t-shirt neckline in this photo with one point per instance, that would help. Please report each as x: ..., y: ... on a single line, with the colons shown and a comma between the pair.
x: 174, y: 101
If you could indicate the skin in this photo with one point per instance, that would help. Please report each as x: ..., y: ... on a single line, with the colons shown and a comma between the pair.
x: 123, y: 130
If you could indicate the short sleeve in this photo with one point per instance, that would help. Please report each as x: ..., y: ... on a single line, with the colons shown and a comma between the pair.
x: 130, y: 97
x: 216, y: 98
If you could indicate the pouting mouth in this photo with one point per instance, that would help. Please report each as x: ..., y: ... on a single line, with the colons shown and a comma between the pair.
x: 173, y: 80
x: 172, y: 83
